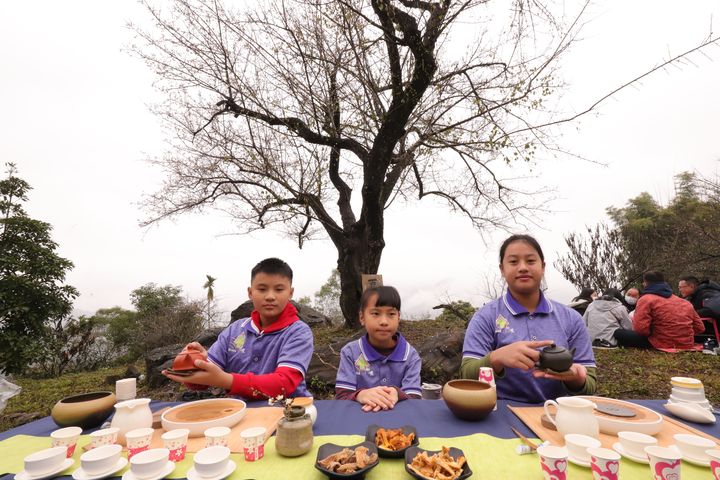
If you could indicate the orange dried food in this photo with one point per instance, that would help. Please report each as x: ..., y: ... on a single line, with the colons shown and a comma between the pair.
x: 348, y: 461
x: 439, y: 466
x: 393, y: 438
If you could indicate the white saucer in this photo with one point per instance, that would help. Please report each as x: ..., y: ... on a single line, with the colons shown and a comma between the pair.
x: 169, y: 467
x: 695, y: 461
x: 690, y: 411
x: 193, y: 475
x: 578, y: 462
x: 617, y: 446
x: 64, y: 466
x: 80, y: 474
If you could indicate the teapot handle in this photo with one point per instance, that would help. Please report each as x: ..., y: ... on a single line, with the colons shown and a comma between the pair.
x: 547, y: 412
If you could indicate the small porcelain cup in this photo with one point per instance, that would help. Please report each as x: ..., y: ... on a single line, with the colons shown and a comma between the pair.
x: 634, y: 443
x: 714, y: 462
x: 553, y: 462
x: 578, y: 444
x: 138, y: 440
x: 149, y: 463
x: 101, y: 459
x: 66, y: 437
x: 253, y: 443
x: 106, y: 436
x: 44, y: 461
x: 694, y: 446
x: 126, y: 389
x: 211, y: 461
x: 217, y: 436
x: 664, y: 462
x: 604, y: 463
x: 176, y: 442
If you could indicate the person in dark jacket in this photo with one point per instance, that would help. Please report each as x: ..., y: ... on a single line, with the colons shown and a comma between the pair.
x: 705, y: 298
x: 581, y: 302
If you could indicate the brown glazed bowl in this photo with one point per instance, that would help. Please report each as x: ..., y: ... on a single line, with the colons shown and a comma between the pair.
x: 185, y: 360
x: 469, y: 399
x: 88, y: 410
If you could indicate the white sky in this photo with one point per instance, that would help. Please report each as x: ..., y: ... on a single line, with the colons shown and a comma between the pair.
x: 74, y: 119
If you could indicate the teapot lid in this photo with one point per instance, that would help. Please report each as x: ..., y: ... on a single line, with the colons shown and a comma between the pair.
x: 554, y: 349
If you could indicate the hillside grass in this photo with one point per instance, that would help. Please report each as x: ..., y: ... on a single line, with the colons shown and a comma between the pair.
x: 622, y: 373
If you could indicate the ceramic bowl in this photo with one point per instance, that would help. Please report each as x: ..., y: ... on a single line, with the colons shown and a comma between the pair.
x: 100, y: 459
x: 211, y: 461
x: 45, y: 461
x: 328, y: 449
x: 635, y: 443
x: 694, y: 446
x: 578, y: 444
x: 149, y: 463
x: 203, y: 414
x: 469, y: 399
x: 88, y: 410
x: 384, y: 452
x: 646, y: 421
x: 455, y: 453
x: 185, y: 360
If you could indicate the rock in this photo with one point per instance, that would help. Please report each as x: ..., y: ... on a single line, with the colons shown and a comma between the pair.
x: 158, y: 360
x: 18, y: 419
x: 132, y: 372
x: 111, y: 379
x: 308, y: 314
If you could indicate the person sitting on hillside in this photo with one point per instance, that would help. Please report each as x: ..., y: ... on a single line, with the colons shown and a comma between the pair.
x: 662, y: 320
x: 705, y: 298
x: 581, y: 302
x: 631, y: 298
x: 605, y: 315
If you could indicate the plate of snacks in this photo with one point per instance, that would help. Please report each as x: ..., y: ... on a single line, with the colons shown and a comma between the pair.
x: 392, y: 442
x: 343, y: 462
x: 446, y: 464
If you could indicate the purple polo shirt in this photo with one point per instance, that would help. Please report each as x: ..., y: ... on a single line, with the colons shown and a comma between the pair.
x: 242, y: 348
x: 361, y: 367
x: 504, y: 321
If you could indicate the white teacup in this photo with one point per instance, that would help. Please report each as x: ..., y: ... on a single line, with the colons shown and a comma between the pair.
x: 634, y: 443
x: 66, y: 437
x: 665, y: 461
x: 694, y: 446
x: 106, y: 436
x: 101, y: 459
x: 211, y: 461
x: 217, y: 436
x: 149, y: 463
x: 45, y: 461
x: 578, y: 444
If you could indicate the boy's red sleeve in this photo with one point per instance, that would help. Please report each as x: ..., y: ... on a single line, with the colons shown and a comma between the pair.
x: 283, y: 381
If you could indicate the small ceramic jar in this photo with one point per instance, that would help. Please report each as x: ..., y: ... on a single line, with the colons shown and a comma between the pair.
x: 294, y: 436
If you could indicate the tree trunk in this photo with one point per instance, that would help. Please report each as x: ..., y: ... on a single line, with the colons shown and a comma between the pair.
x: 356, y: 256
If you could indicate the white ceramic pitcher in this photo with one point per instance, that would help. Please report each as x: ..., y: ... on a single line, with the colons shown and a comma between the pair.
x: 131, y: 414
x: 574, y: 415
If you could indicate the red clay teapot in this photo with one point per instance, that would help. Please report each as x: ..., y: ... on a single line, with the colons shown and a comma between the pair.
x: 185, y: 360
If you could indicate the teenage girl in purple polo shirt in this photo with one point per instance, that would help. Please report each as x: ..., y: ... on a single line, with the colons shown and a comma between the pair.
x: 508, y: 333
x: 380, y: 368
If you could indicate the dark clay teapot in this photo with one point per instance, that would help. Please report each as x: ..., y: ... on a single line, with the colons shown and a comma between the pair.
x: 556, y: 358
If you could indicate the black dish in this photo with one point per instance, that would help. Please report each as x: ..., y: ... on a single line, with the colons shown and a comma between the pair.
x: 385, y: 453
x: 328, y: 449
x: 455, y: 453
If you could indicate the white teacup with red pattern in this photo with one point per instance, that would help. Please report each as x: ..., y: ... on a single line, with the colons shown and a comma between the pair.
x: 106, y: 436
x: 664, y: 462
x: 66, y: 437
x: 217, y: 436
x: 714, y: 462
x: 553, y: 461
x: 138, y: 440
x: 176, y: 441
x: 604, y: 463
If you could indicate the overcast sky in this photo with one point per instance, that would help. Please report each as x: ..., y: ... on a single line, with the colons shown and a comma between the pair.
x: 75, y: 121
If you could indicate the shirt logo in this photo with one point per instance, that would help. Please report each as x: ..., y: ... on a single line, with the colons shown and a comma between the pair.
x: 363, y: 366
x: 502, y: 325
x: 238, y: 344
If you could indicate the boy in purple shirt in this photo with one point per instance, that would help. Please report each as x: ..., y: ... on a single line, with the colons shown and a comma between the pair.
x: 506, y: 333
x: 381, y: 368
x: 265, y: 355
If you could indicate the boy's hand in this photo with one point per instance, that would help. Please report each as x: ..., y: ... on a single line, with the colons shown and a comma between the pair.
x: 197, y: 347
x: 210, y: 374
x: 378, y: 398
x: 523, y: 355
x: 574, y: 381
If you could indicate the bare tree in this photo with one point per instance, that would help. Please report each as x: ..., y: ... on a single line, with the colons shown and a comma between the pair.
x: 283, y: 109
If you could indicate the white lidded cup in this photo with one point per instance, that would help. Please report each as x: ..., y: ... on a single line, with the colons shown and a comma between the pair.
x: 45, y: 461
x: 149, y: 463
x: 101, y: 459
x: 634, y: 443
x: 578, y: 444
x: 211, y: 461
x: 694, y: 446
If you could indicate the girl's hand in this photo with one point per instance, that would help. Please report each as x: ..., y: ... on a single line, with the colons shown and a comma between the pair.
x: 377, y: 398
x: 209, y: 374
x: 574, y: 381
x: 523, y: 355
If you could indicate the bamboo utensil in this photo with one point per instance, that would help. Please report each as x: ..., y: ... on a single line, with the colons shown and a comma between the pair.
x: 525, y: 440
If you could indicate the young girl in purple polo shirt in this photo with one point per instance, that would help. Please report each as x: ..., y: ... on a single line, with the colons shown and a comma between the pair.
x: 508, y: 333
x: 381, y: 368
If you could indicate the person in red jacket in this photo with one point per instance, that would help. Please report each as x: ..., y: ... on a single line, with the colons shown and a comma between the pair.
x: 661, y: 320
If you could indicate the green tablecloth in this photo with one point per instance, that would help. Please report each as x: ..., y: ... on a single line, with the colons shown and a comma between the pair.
x: 489, y: 457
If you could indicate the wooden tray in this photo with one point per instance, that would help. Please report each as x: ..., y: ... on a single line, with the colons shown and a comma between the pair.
x: 530, y: 416
x: 254, y: 417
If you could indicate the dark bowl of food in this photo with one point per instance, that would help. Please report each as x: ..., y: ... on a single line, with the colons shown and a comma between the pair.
x: 392, y: 442
x: 346, y: 462
x: 448, y: 463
